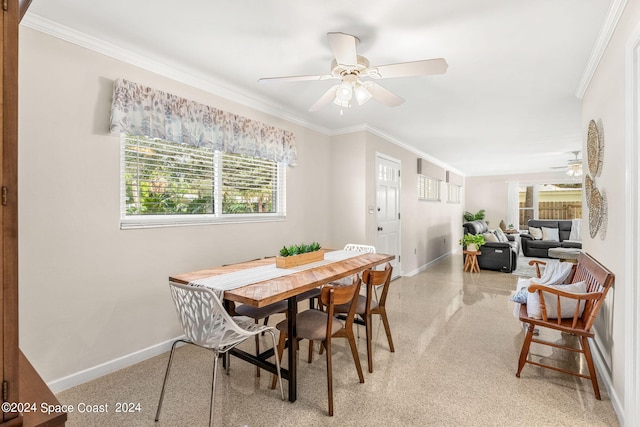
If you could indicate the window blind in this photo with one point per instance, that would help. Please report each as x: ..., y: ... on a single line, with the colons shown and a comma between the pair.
x: 164, y: 183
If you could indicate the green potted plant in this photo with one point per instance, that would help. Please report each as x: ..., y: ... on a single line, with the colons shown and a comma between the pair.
x: 295, y: 255
x: 472, y: 241
x: 469, y: 216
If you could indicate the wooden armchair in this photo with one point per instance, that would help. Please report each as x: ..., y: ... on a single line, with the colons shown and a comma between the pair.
x: 537, y: 263
x: 598, y: 281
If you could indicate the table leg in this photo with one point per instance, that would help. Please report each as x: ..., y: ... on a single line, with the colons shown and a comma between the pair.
x: 292, y: 311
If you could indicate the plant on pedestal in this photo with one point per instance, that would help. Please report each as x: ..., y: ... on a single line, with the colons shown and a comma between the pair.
x: 472, y: 242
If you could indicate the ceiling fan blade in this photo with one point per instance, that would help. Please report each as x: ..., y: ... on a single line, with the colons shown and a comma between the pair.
x: 295, y: 78
x: 383, y: 95
x: 409, y: 69
x: 344, y: 48
x: 328, y: 96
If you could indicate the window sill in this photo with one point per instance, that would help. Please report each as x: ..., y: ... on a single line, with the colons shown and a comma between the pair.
x: 159, y: 221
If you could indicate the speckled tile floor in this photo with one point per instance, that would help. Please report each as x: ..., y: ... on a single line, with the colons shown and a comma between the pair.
x: 457, y: 345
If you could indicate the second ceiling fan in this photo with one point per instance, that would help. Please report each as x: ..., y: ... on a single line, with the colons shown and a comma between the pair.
x: 357, y: 77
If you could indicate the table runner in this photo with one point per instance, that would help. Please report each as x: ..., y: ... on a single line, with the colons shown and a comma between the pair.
x: 237, y: 279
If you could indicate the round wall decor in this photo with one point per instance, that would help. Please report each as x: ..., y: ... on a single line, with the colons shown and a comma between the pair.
x: 594, y: 149
x: 596, y: 212
x: 596, y: 198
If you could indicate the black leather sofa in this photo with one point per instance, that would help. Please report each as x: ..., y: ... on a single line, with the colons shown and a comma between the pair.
x: 499, y: 256
x: 540, y: 248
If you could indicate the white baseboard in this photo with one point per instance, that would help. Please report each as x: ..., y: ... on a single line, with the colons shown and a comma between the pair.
x: 601, y: 367
x: 427, y: 265
x: 94, y: 372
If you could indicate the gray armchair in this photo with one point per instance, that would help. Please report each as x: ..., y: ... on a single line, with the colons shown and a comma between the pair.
x: 499, y: 256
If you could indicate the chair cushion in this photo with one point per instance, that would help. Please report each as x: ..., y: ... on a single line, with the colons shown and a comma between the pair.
x: 550, y: 234
x: 490, y: 238
x: 536, y: 233
x: 262, y: 312
x: 360, y: 307
x: 500, y: 235
x: 567, y: 305
x: 312, y: 325
x: 311, y: 293
x: 475, y: 227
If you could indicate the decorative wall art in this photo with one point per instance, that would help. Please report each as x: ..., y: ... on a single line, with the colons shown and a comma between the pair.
x: 594, y: 150
x: 596, y: 197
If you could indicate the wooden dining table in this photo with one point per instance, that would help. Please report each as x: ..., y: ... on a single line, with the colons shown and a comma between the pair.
x: 261, y: 293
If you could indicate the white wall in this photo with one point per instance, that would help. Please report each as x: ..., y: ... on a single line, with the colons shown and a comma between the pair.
x: 91, y: 293
x: 604, y: 102
x: 347, y: 180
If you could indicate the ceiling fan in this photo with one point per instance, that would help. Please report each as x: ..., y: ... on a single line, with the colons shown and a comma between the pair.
x: 573, y: 167
x: 357, y: 76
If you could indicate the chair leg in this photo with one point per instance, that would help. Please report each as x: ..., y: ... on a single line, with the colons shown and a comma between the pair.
x: 213, y: 386
x: 273, y: 339
x: 369, y: 332
x: 356, y: 356
x: 387, y: 329
x: 327, y: 345
x: 592, y: 370
x: 281, y: 341
x: 525, y: 349
x: 258, y: 345
x: 310, y: 356
x: 166, y: 376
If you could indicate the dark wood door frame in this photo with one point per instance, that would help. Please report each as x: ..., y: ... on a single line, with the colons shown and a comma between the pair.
x: 9, y: 205
x: 20, y: 381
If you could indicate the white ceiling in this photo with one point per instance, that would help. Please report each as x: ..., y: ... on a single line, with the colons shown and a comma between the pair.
x: 507, y: 103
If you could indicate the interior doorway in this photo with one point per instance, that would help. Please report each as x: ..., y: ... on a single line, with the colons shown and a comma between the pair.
x: 388, y: 221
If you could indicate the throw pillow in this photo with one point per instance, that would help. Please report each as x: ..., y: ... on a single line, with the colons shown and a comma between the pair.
x: 535, y: 232
x: 490, y: 238
x: 520, y: 296
x: 567, y: 305
x: 500, y: 235
x: 550, y: 234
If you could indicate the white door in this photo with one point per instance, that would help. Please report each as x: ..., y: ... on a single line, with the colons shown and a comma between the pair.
x: 388, y: 201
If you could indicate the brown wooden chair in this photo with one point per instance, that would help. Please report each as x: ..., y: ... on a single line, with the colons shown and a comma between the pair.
x: 537, y: 263
x: 367, y: 306
x: 598, y: 282
x: 323, y: 326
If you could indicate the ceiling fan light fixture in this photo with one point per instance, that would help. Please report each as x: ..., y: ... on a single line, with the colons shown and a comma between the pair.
x: 344, y: 92
x: 342, y: 103
x: 362, y: 94
x: 347, y: 66
x: 574, y: 169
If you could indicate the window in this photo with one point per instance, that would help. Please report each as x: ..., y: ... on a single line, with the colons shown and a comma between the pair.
x: 550, y: 201
x: 428, y: 188
x: 453, y: 191
x: 528, y: 196
x: 165, y: 183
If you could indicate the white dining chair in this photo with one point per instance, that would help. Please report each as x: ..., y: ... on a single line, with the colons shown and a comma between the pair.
x: 352, y: 247
x: 207, y: 324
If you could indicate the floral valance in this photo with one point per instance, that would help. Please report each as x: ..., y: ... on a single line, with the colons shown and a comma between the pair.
x: 142, y: 111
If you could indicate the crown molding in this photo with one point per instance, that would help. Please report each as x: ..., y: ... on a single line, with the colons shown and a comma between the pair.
x: 393, y: 140
x: 602, y: 41
x: 195, y: 79
x: 187, y: 76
